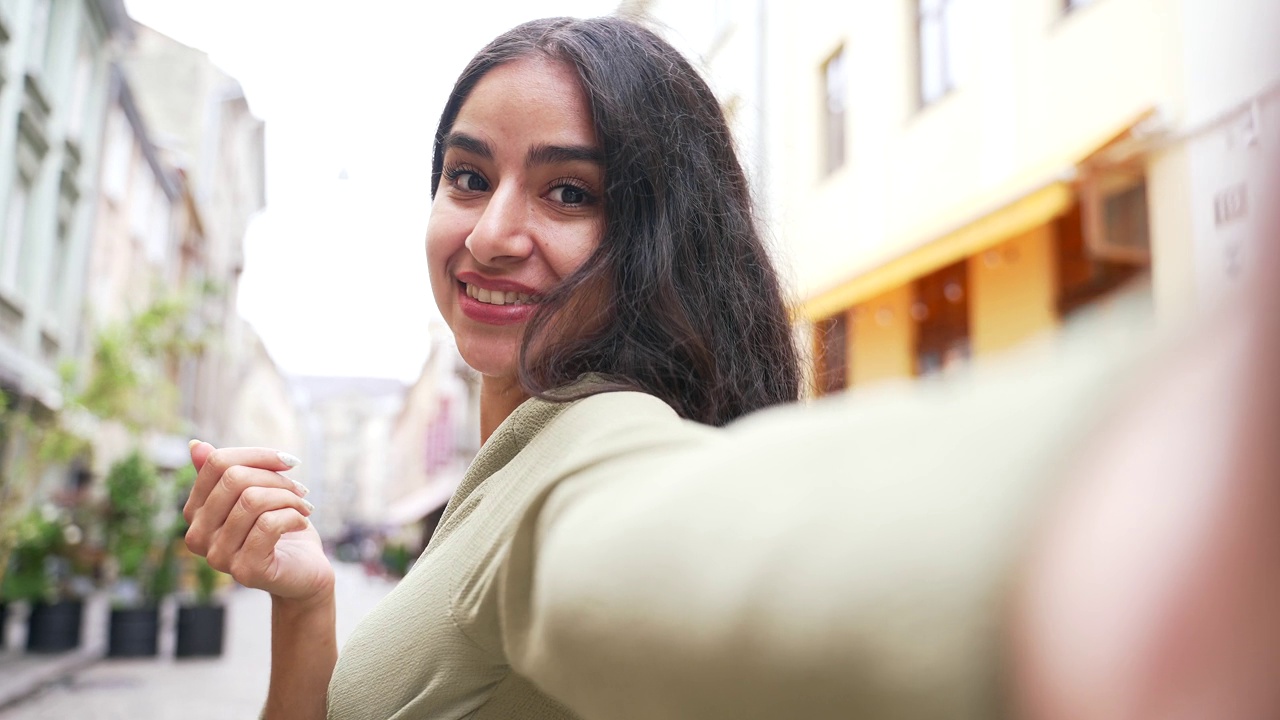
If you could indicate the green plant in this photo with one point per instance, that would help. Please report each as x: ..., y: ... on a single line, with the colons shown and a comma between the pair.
x: 40, y: 561
x: 396, y: 558
x: 132, y: 540
x: 207, y: 581
x: 126, y: 381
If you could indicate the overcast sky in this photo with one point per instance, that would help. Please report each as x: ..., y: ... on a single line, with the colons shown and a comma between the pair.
x: 335, y: 278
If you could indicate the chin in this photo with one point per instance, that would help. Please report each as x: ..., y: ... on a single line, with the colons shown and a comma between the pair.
x: 492, y: 357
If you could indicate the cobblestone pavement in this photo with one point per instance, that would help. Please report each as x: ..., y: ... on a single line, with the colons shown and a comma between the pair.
x: 232, y: 686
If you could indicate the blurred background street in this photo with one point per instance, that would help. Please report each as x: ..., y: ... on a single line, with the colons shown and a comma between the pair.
x: 231, y: 686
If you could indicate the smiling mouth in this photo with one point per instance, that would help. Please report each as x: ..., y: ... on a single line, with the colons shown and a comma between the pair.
x: 498, y: 297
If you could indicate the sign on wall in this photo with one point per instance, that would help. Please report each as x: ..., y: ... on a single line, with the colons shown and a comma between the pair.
x: 1227, y: 170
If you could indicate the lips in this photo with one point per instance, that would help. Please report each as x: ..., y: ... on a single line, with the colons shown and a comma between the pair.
x: 494, y: 302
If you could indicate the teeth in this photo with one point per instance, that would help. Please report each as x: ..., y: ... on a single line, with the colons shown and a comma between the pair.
x: 496, y: 297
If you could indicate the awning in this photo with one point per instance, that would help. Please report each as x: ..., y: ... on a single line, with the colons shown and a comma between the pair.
x: 1017, y: 218
x: 1030, y: 211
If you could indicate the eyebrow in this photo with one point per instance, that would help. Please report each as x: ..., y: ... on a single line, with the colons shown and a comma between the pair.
x: 543, y: 154
x: 555, y: 154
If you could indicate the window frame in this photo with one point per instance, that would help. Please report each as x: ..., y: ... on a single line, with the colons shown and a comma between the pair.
x: 835, y: 122
x: 938, y: 15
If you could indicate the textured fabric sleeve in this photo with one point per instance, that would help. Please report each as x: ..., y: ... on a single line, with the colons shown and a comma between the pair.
x: 845, y: 560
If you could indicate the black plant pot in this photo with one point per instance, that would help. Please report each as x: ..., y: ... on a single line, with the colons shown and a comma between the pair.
x: 54, y: 628
x: 135, y: 632
x: 200, y: 630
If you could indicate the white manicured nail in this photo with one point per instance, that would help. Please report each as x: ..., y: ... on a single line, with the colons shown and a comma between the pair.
x: 302, y: 489
x: 308, y: 506
x: 288, y: 459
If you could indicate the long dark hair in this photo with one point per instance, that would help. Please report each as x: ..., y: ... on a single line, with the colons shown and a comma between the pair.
x: 681, y: 299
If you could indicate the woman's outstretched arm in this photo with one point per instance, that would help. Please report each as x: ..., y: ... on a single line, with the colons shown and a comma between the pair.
x: 250, y: 521
x: 860, y: 558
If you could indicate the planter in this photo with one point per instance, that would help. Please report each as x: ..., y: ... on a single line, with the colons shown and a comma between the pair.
x: 134, y: 632
x: 200, y: 630
x: 54, y: 628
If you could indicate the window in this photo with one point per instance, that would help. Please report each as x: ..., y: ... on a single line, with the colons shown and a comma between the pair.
x: 58, y: 285
x: 831, y: 345
x: 143, y: 190
x: 15, y: 232
x: 835, y: 101
x: 159, y: 231
x: 1083, y: 275
x: 80, y: 86
x: 941, y: 313
x: 39, y: 34
x: 939, y: 40
x: 118, y: 154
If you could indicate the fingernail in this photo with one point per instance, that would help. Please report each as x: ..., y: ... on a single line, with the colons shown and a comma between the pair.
x: 302, y: 489
x: 308, y: 506
x: 192, y: 445
x: 288, y: 459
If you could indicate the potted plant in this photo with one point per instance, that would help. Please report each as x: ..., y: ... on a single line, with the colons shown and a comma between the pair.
x: 40, y: 568
x: 133, y: 545
x: 201, y: 626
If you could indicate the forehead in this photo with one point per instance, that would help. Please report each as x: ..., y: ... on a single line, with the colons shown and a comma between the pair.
x: 532, y: 99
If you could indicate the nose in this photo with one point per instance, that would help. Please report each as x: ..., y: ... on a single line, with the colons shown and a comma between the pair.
x: 502, y: 236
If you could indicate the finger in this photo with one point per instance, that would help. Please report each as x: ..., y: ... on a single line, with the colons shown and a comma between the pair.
x: 255, y: 563
x: 254, y: 502
x: 232, y: 489
x: 220, y: 459
x: 199, y: 453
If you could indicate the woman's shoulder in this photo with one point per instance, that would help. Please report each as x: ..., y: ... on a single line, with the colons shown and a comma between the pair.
x: 601, y: 413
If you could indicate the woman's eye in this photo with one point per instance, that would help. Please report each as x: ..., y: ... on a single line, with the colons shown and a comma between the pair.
x: 568, y: 195
x: 470, y: 181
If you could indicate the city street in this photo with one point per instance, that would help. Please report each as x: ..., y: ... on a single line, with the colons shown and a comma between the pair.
x: 232, y: 686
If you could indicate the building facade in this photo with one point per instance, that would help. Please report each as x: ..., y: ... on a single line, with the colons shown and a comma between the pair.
x: 347, y: 448
x: 434, y: 438
x: 204, y: 127
x: 948, y: 178
x: 55, y: 79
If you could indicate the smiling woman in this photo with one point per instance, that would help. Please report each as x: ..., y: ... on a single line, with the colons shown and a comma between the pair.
x: 593, y: 247
x: 518, y: 209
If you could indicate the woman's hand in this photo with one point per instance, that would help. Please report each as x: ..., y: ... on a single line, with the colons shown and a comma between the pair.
x: 250, y: 522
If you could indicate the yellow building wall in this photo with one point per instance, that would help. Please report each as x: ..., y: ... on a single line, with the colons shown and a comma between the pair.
x: 1011, y: 291
x: 883, y: 338
x: 1042, y: 90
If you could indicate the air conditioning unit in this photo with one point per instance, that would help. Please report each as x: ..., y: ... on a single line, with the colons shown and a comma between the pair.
x: 1115, y: 214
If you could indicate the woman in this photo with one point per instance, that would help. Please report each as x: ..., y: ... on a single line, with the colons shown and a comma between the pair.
x: 591, y: 232
x: 612, y: 558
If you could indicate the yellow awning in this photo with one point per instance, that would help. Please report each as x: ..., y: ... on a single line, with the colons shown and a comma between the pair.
x: 1017, y: 218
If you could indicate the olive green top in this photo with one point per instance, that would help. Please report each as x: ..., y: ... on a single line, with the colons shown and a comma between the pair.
x: 843, y: 560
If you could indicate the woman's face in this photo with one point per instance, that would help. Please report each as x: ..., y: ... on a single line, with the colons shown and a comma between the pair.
x: 518, y: 207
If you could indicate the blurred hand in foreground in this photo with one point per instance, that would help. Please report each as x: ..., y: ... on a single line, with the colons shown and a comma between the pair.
x: 1155, y: 592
